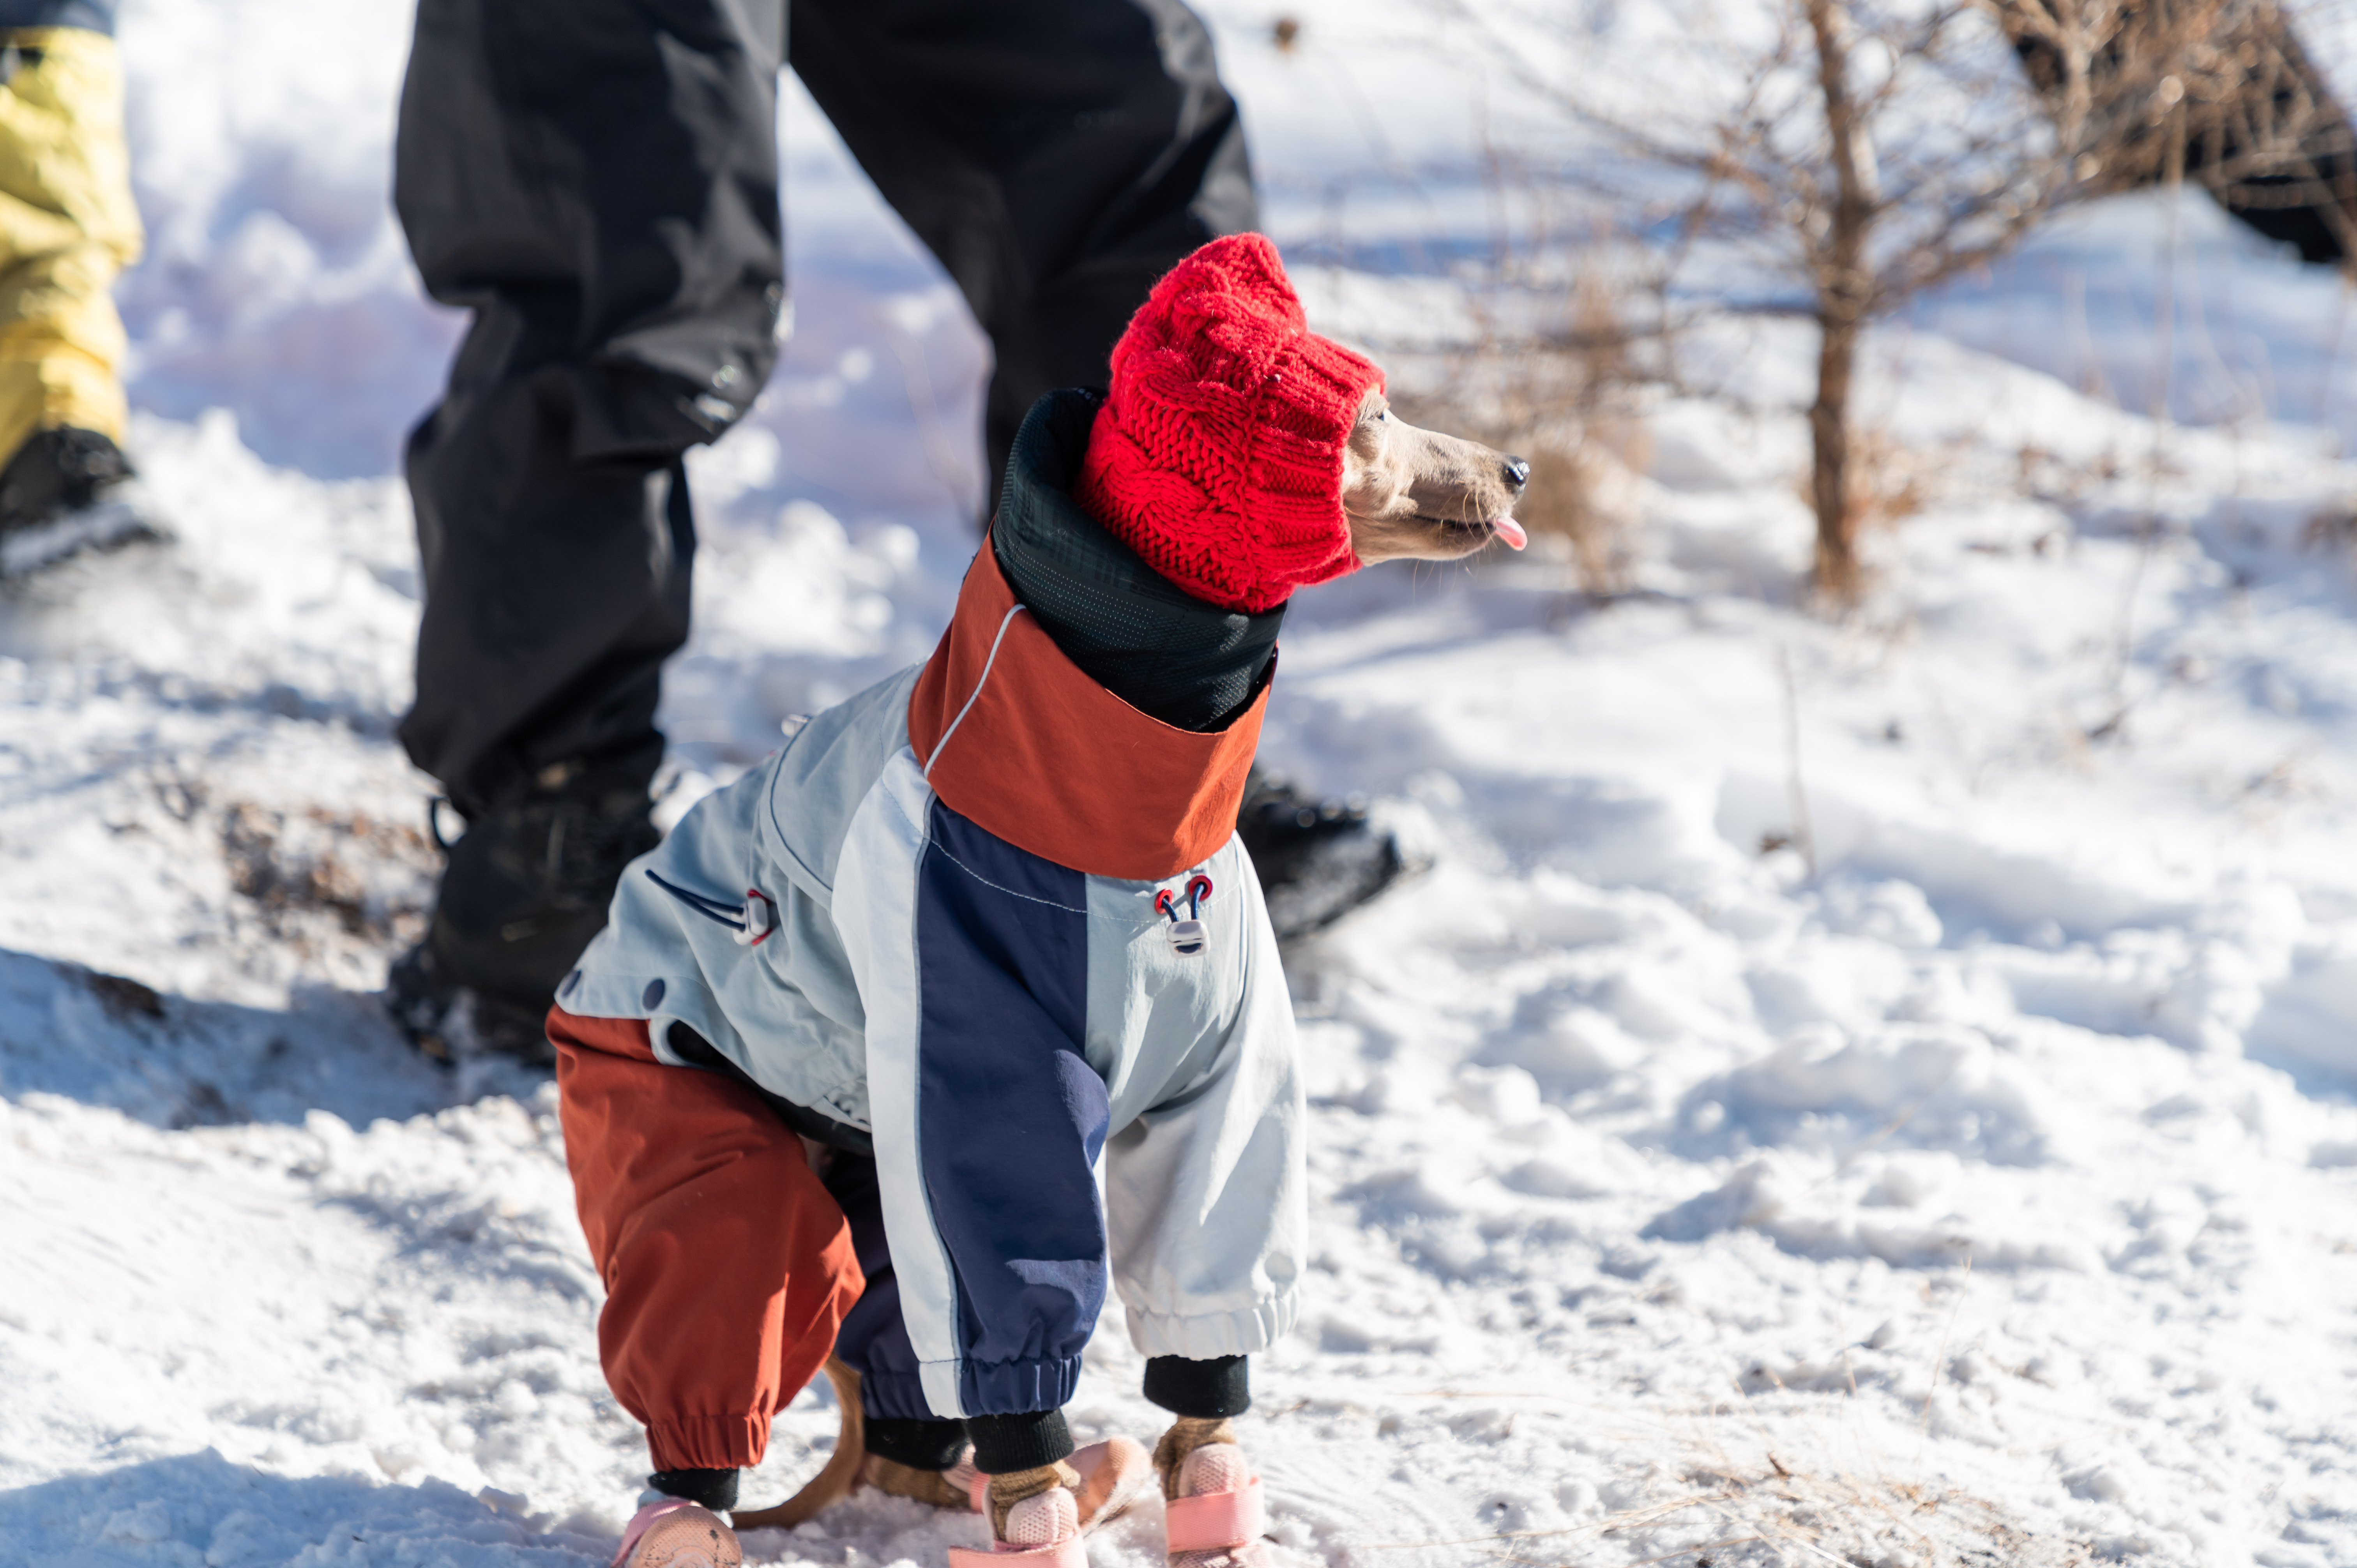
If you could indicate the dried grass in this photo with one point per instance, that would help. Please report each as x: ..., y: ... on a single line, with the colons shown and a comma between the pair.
x: 1568, y: 399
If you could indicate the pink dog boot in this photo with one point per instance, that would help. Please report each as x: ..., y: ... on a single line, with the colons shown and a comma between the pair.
x: 1113, y: 1475
x: 1042, y: 1531
x: 677, y: 1533
x: 1216, y: 1519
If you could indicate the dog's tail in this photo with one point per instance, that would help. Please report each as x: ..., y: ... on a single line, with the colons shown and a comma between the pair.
x: 841, y: 1475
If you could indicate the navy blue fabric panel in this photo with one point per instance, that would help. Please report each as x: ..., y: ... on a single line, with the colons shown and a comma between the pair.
x: 1010, y: 1116
x: 874, y: 1338
x: 97, y: 16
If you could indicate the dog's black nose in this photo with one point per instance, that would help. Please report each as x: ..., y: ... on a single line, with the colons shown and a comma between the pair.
x: 1518, y: 473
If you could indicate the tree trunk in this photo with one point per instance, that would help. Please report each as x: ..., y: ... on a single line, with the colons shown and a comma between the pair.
x: 1829, y: 476
x: 1845, y: 296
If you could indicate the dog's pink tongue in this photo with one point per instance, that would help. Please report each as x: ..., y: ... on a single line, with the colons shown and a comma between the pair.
x: 1507, y: 529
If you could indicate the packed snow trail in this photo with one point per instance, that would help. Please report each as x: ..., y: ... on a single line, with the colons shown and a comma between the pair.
x: 1980, y: 1192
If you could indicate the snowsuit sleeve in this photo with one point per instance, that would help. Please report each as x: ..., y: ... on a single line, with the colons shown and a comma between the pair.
x: 971, y: 957
x: 1206, y: 1188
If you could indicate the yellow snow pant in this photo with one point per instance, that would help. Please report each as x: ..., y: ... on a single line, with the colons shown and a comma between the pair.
x: 67, y: 227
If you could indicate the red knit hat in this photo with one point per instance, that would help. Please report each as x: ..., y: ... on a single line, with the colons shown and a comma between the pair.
x: 1218, y: 456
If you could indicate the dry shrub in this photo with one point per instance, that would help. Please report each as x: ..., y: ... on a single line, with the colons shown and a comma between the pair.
x: 1563, y: 397
x: 2043, y: 476
x: 1580, y: 492
x: 2220, y: 93
x: 1888, y: 481
x: 2331, y: 528
x: 1562, y: 502
x: 1885, y: 482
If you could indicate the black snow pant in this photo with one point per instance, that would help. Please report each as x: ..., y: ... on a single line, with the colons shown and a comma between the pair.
x: 596, y: 181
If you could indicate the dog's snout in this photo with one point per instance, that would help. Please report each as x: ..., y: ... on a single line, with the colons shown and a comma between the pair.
x: 1518, y: 473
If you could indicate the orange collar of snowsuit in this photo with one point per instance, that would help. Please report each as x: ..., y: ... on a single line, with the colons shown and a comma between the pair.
x: 1014, y: 737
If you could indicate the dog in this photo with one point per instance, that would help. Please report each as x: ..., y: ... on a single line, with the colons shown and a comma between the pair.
x: 838, y: 1078
x: 1410, y: 494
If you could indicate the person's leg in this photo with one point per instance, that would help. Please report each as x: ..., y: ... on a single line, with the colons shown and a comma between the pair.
x: 1057, y: 156
x: 597, y: 180
x: 728, y: 1269
x: 68, y: 227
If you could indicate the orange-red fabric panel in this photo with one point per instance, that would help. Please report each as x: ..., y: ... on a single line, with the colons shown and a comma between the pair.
x: 728, y: 1267
x: 1052, y: 762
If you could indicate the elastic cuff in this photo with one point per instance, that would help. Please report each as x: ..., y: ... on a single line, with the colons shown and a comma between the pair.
x: 708, y: 1441
x: 1239, y: 1332
x: 1219, y: 1386
x: 919, y: 1444
x: 715, y: 1490
x: 1005, y: 1443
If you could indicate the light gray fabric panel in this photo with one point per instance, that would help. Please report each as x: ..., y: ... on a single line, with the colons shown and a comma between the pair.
x: 817, y: 782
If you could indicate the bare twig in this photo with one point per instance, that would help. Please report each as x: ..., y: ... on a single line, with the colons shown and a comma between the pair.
x: 1804, y: 834
x: 1940, y: 1361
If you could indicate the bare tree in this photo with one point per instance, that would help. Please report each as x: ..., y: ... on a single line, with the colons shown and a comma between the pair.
x: 1857, y: 152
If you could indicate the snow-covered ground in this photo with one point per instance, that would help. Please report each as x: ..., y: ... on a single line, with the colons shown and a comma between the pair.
x: 1876, y: 1090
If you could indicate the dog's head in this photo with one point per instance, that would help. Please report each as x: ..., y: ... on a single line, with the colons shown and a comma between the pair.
x: 1418, y: 495
x: 1215, y: 453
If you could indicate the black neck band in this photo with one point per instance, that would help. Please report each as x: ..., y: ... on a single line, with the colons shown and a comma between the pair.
x: 1193, y: 665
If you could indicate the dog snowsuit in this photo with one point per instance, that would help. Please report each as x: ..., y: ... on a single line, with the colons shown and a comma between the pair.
x: 986, y: 922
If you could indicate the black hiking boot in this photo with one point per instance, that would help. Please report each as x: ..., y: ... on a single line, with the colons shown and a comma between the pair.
x: 523, y: 892
x: 1317, y: 859
x: 447, y: 1021
x: 65, y: 491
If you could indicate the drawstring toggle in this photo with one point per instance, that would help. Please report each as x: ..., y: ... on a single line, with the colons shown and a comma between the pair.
x: 760, y: 918
x: 1188, y: 937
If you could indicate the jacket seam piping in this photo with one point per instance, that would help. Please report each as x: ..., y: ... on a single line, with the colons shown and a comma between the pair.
x: 777, y: 779
x: 980, y: 682
x: 937, y: 847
